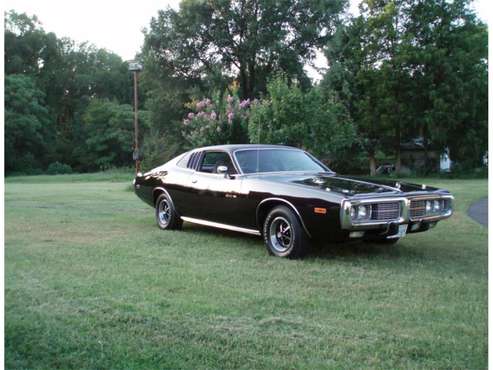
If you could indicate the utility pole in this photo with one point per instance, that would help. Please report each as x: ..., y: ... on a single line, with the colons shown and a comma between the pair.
x: 136, y: 67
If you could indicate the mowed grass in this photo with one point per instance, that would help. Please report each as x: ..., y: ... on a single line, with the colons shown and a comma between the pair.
x: 91, y: 282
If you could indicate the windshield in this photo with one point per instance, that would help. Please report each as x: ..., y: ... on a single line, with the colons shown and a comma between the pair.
x: 275, y: 160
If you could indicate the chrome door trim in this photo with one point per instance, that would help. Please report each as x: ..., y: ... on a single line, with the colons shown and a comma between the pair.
x: 220, y: 225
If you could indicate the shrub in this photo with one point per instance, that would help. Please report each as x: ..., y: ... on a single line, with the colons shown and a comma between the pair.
x: 57, y: 168
x: 308, y: 120
x: 220, y: 120
x: 109, y: 129
x: 158, y: 148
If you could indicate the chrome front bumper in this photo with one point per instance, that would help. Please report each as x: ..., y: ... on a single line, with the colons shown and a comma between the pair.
x: 404, y: 218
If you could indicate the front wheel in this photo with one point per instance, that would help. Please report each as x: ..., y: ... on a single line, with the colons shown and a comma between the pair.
x: 166, y: 216
x: 283, y: 234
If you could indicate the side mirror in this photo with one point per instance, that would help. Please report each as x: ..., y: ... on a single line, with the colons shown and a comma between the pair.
x: 222, y: 170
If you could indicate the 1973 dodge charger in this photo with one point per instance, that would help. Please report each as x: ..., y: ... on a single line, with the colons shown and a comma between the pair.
x: 287, y: 196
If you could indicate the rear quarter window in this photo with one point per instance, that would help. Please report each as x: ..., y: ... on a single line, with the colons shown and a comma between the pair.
x: 193, y: 160
x: 183, y: 162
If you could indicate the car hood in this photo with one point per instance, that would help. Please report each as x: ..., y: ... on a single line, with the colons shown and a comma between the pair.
x: 349, y: 186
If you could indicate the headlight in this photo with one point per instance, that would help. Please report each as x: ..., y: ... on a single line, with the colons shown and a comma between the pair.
x: 362, y: 212
x: 436, y: 205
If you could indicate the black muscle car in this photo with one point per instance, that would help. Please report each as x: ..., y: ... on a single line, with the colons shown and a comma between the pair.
x: 287, y: 196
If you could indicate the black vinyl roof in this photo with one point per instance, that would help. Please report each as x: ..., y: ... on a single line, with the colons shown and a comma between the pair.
x: 233, y: 147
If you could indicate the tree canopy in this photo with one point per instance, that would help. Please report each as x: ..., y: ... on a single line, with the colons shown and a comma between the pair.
x: 406, y: 69
x: 248, y: 40
x: 29, y: 140
x: 50, y: 82
x: 399, y: 71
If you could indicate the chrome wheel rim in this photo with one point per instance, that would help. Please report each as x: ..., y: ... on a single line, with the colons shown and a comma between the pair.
x: 164, y: 212
x: 281, y: 234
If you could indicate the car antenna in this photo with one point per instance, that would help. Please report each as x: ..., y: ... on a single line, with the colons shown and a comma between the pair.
x: 258, y: 159
x: 258, y: 140
x: 258, y: 133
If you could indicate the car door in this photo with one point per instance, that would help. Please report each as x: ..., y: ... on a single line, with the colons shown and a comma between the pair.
x: 215, y: 196
x: 176, y: 182
x: 185, y: 196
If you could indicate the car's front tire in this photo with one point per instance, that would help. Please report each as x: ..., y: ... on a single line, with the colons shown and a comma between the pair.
x: 284, y: 235
x: 166, y: 216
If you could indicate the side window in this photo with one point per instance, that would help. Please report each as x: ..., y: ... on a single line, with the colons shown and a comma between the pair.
x: 183, y: 162
x: 212, y: 160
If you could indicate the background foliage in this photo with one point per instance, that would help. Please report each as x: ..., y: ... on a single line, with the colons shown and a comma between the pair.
x: 400, y: 70
x: 52, y: 90
x: 310, y: 120
x: 222, y: 120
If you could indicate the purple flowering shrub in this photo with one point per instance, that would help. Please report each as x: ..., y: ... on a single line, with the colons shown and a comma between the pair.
x: 220, y: 120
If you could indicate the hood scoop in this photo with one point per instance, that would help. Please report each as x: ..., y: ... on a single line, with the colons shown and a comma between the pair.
x: 318, y: 181
x: 345, y: 186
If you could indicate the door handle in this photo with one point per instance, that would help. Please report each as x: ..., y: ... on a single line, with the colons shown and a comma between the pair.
x: 194, y: 181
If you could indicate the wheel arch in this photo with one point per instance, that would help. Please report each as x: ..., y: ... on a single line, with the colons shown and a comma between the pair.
x: 266, y: 205
x: 156, y: 192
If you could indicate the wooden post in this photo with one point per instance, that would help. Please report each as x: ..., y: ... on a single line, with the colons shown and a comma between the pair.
x: 136, y: 126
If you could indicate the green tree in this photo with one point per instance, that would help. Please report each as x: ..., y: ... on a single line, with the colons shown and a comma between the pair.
x: 26, y: 44
x: 449, y: 57
x: 69, y: 75
x: 248, y: 39
x: 109, y: 131
x: 84, y: 73
x: 309, y: 120
x: 405, y: 69
x: 28, y: 133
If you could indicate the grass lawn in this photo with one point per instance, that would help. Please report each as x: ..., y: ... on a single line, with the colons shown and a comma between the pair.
x: 91, y: 282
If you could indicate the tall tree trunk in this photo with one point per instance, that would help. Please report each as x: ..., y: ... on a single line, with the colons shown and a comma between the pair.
x: 398, y: 149
x: 397, y: 107
x: 244, y: 83
x: 427, y: 156
x: 251, y: 78
x: 372, y: 162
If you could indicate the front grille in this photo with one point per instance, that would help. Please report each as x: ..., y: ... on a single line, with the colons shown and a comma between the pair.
x: 417, y: 208
x: 386, y: 211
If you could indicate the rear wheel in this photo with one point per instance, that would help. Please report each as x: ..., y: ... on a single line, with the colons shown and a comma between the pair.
x: 166, y: 217
x: 283, y: 234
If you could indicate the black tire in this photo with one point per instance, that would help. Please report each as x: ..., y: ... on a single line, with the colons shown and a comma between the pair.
x: 382, y: 241
x: 166, y: 216
x: 283, y: 234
